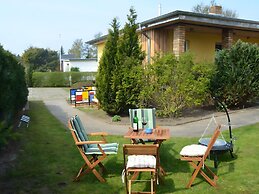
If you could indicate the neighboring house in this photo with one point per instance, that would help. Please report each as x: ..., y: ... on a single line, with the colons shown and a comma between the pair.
x: 84, y: 65
x: 201, y: 34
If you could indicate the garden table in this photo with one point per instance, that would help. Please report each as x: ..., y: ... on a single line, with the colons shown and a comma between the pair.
x: 157, y: 136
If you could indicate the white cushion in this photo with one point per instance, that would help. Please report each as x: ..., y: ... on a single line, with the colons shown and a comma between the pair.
x: 193, y: 150
x: 141, y: 161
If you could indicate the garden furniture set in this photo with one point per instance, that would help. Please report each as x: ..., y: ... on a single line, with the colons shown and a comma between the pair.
x: 141, y: 155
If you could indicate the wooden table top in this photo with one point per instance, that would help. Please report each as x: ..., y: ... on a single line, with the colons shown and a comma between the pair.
x: 157, y: 134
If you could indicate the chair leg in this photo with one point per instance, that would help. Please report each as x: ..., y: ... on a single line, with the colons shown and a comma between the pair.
x: 152, y: 186
x: 208, y: 179
x: 195, y: 172
x: 80, y: 172
x: 214, y: 176
x: 129, y: 187
x: 97, y: 174
x: 85, y: 169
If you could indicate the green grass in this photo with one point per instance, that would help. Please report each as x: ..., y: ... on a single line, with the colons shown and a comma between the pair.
x: 48, y: 160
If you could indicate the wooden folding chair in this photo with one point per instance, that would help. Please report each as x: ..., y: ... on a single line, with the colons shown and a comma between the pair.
x: 137, y: 159
x: 196, y: 155
x: 93, y: 152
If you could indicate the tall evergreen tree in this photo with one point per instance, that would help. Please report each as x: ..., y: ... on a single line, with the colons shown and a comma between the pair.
x: 127, y: 81
x: 105, y: 94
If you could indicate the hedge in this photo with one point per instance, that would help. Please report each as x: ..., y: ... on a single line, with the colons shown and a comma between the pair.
x: 14, y: 93
x: 60, y: 79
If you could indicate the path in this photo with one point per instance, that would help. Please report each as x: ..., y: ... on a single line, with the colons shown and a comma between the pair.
x: 55, y: 101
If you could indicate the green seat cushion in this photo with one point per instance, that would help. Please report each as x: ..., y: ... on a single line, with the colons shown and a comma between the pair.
x: 77, y: 118
x: 107, y: 150
x: 80, y: 133
x: 107, y: 145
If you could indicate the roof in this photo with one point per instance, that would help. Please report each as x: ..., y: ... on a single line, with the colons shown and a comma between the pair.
x: 100, y: 39
x: 79, y: 59
x: 192, y: 18
x: 67, y: 56
x: 199, y: 18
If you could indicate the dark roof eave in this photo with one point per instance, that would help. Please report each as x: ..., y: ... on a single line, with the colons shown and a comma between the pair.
x: 191, y: 17
x: 199, y: 18
x: 79, y: 59
x: 97, y: 40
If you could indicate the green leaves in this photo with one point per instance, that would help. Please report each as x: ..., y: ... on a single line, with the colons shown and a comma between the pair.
x: 119, y: 78
x: 107, y: 68
x: 236, y: 82
x: 174, y: 84
x: 40, y: 59
x: 14, y: 93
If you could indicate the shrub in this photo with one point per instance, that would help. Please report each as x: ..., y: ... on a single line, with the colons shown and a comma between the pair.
x: 173, y: 84
x: 60, y: 79
x: 14, y: 93
x: 116, y: 118
x: 75, y: 69
x: 236, y: 82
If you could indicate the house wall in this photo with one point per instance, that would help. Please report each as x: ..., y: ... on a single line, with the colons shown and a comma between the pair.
x: 200, y: 40
x: 84, y: 66
x: 66, y: 65
x: 247, y: 39
x: 100, y: 48
x: 202, y: 45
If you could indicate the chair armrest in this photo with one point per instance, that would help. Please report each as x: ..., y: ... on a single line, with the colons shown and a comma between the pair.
x: 90, y: 142
x: 102, y: 134
x: 98, y: 133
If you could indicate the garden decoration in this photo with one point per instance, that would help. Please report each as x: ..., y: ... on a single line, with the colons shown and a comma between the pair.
x: 84, y: 95
x: 221, y: 145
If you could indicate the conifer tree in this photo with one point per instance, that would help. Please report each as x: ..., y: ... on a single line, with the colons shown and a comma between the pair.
x: 127, y: 80
x: 105, y: 94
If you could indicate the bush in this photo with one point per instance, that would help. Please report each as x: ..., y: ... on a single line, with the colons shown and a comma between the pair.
x: 174, y: 84
x: 14, y: 93
x: 116, y: 118
x: 60, y: 79
x: 236, y: 82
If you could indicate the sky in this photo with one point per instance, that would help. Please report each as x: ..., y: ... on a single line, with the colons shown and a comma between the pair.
x: 52, y: 23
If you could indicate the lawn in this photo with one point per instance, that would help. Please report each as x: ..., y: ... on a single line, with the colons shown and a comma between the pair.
x: 47, y: 160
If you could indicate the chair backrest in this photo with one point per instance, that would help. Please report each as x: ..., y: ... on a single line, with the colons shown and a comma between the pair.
x: 212, y: 141
x: 148, y: 113
x: 81, y: 126
x: 78, y: 131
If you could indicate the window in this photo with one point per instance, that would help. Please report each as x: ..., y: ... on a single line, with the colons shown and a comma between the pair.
x: 218, y: 46
x: 186, y: 45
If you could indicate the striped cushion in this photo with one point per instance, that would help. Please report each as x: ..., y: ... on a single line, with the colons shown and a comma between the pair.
x: 79, y: 133
x: 82, y: 127
x: 107, y: 145
x: 107, y: 150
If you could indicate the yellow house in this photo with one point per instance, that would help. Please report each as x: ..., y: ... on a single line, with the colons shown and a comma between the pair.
x: 201, y: 34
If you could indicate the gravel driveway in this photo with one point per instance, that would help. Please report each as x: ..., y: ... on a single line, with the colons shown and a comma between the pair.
x: 55, y: 101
